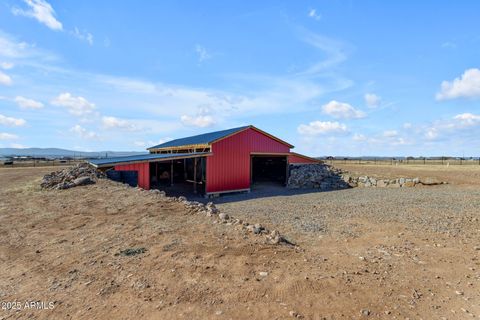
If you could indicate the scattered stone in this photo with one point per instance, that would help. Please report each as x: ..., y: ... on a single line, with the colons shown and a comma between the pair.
x: 263, y: 274
x: 274, y: 237
x: 160, y: 193
x: 223, y: 216
x: 430, y: 181
x: 83, y: 181
x: 131, y: 251
x: 365, y: 312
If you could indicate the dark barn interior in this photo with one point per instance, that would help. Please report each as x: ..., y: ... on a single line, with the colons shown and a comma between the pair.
x: 179, y: 176
x: 269, y: 169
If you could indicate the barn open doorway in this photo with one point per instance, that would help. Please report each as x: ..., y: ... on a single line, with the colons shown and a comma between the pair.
x: 179, y: 176
x: 269, y: 169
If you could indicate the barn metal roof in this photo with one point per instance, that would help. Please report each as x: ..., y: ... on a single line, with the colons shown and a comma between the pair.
x: 201, y: 139
x: 108, y: 162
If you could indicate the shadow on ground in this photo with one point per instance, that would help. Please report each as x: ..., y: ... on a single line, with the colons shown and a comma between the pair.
x: 258, y: 190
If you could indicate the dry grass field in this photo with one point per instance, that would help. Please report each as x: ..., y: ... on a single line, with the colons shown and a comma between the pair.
x: 455, y: 174
x: 404, y: 253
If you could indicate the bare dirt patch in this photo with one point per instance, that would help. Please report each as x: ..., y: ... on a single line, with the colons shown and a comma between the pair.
x: 69, y: 247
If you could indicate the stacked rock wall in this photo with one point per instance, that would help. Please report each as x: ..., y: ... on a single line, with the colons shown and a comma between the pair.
x: 365, y: 181
x: 325, y: 177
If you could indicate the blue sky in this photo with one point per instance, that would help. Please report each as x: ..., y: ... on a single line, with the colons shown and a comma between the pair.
x: 331, y: 77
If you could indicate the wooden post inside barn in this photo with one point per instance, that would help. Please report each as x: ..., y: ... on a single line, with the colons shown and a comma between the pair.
x: 185, y: 175
x: 171, y: 173
x: 195, y: 175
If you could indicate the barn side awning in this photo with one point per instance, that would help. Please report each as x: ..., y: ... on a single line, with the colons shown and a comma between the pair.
x: 110, y: 162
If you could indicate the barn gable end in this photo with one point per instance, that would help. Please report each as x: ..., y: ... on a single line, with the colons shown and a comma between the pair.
x: 228, y: 169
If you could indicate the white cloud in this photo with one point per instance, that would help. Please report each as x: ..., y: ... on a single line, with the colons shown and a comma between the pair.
x: 359, y: 137
x: 25, y: 103
x: 467, y: 86
x: 5, y: 79
x: 372, y: 100
x: 202, y: 53
x: 11, y: 122
x: 116, y: 123
x: 84, y: 36
x: 77, y: 106
x: 390, y: 133
x: 10, y: 48
x: 20, y: 52
x: 468, y: 119
x: 431, y: 133
x: 322, y: 127
x: 334, y: 51
x: 7, y: 136
x: 201, y: 121
x: 464, y: 124
x: 407, y: 125
x: 342, y: 110
x: 42, y: 11
x: 312, y: 13
x: 148, y: 144
x: 83, y: 133
x: 6, y: 65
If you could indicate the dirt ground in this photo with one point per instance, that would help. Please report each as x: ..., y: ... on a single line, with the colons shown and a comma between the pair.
x: 61, y: 248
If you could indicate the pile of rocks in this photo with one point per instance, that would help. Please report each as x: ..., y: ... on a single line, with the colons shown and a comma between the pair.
x: 316, y: 175
x: 77, y: 175
x: 210, y: 210
x: 366, y: 181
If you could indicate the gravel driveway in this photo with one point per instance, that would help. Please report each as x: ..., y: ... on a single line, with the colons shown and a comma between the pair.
x: 446, y: 208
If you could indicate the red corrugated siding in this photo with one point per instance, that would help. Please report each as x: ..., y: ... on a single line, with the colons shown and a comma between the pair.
x: 229, y: 166
x: 296, y: 159
x: 143, y: 170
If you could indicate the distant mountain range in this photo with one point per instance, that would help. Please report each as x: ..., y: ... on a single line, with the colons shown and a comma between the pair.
x: 58, y: 153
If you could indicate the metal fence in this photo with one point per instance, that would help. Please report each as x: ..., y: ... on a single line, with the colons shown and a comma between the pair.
x: 397, y: 162
x: 38, y: 163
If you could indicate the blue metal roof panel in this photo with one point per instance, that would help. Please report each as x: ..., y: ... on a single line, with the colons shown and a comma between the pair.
x: 205, y: 138
x: 143, y: 157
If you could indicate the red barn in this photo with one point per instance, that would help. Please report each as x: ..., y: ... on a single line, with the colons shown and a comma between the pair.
x: 216, y: 162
